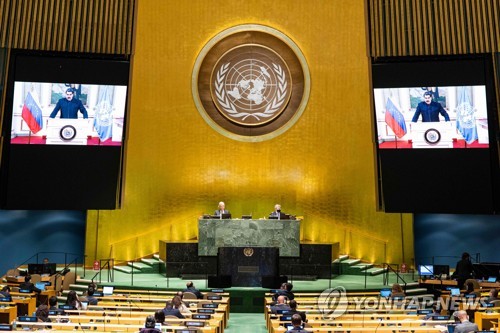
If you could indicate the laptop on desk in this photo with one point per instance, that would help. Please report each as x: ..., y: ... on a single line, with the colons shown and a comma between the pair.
x: 40, y: 285
x: 107, y: 290
x: 283, y: 216
x: 455, y: 291
x: 492, y: 279
x: 222, y: 216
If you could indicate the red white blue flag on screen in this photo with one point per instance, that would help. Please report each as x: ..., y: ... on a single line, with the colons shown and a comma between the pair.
x: 395, y: 119
x: 32, y: 113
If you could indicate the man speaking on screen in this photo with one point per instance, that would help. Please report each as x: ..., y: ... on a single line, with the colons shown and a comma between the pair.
x: 69, y: 107
x: 429, y: 110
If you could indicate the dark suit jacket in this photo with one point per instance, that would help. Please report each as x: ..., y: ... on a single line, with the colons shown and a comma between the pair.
x: 195, y: 291
x: 300, y: 313
x: 172, y: 312
x: 29, y: 286
x: 282, y: 292
x: 275, y: 308
x: 219, y: 212
x: 466, y: 327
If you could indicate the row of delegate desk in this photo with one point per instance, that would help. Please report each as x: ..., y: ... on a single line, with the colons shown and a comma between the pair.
x: 26, y: 302
x: 132, y: 307
x: 126, y: 312
x: 484, y: 318
x: 354, y: 319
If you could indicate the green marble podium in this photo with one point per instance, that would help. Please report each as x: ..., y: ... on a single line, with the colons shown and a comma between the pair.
x: 283, y: 234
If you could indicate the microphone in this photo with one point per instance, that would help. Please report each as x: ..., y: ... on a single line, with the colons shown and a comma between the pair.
x: 379, y: 322
x: 130, y: 307
x: 117, y: 315
x: 81, y: 327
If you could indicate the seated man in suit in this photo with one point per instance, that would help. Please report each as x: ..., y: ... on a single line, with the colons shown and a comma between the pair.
x: 222, y: 209
x: 27, y: 285
x: 169, y: 310
x: 280, y: 305
x: 297, y: 325
x: 90, y: 295
x: 277, y: 211
x: 192, y: 289
x: 53, y: 305
x: 5, y: 293
x: 293, y: 310
x: 149, y: 326
x: 285, y: 290
x: 492, y: 296
x: 465, y: 325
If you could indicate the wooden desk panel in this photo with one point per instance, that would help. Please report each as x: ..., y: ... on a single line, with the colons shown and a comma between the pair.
x: 8, y: 314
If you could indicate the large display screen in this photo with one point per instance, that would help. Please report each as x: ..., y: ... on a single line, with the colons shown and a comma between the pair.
x: 435, y: 128
x: 432, y: 117
x: 68, y: 113
x: 63, y: 131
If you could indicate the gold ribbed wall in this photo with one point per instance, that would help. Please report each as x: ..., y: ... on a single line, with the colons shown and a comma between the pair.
x: 433, y: 27
x: 91, y: 26
x: 177, y: 167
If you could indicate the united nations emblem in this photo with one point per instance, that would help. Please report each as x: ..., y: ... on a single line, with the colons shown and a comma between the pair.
x: 251, y: 83
x: 248, y: 251
x: 432, y: 136
x: 67, y: 133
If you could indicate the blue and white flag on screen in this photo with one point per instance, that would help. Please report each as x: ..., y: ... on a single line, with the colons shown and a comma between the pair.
x: 466, y: 119
x: 103, y: 121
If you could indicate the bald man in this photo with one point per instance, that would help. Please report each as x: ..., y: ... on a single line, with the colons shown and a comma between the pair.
x: 222, y: 209
x: 465, y: 325
x: 280, y: 305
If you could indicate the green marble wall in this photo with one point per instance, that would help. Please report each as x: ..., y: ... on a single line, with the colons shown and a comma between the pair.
x: 284, y: 234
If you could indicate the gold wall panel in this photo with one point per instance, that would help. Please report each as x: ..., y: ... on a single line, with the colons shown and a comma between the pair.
x: 177, y: 167
x: 433, y: 27
x: 91, y: 26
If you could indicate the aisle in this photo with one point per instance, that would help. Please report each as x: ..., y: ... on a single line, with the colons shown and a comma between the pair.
x: 246, y: 323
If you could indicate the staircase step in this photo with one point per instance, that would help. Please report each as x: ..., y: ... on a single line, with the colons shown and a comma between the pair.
x: 151, y: 262
x: 124, y: 269
x: 351, y: 262
x: 415, y: 291
x: 376, y: 271
x: 411, y: 285
x: 341, y: 258
x: 78, y: 287
x: 362, y: 267
x: 86, y: 282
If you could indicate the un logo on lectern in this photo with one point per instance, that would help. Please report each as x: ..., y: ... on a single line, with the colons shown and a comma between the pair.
x: 251, y: 83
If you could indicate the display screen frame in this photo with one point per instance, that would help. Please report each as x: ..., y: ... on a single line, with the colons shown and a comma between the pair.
x: 66, y: 177
x: 438, y: 180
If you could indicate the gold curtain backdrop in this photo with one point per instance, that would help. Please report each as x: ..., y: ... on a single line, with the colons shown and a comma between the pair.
x: 177, y: 167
